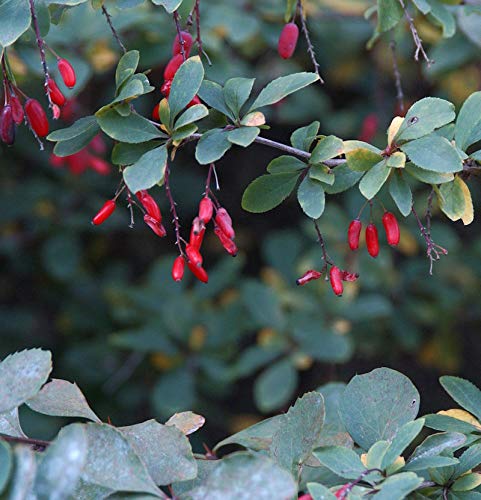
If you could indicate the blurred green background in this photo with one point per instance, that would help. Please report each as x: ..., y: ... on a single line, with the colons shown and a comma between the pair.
x: 245, y: 345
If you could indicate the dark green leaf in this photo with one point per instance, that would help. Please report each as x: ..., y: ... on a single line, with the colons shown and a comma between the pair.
x: 126, y: 67
x: 342, y: 461
x: 468, y: 123
x: 267, y: 192
x: 212, y: 146
x: 401, y: 193
x: 311, y: 197
x: 286, y: 164
x: 126, y: 154
x: 398, y: 487
x: 403, y: 438
x: 14, y: 20
x: 147, y: 171
x: 212, y: 94
x: 243, y: 136
x: 190, y: 115
x: 345, y: 179
x: 236, y: 93
x: 185, y: 85
x: 374, y: 180
x: 389, y: 13
x: 328, y: 147
x: 131, y: 129
x: 303, y: 137
x: 464, y: 393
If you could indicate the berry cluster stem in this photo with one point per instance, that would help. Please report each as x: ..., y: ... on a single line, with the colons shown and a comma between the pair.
x: 179, y: 34
x: 198, y: 39
x: 108, y: 17
x: 320, y: 239
x: 173, y: 209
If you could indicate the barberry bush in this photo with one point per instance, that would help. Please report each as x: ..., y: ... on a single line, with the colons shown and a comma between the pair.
x: 421, y: 161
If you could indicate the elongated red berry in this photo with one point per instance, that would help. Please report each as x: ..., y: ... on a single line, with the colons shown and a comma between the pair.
x: 99, y: 165
x: 310, y: 275
x: 56, y: 161
x: 199, y: 272
x: 36, y: 117
x: 223, y: 220
x: 172, y: 66
x: 353, y: 234
x: 17, y: 109
x: 193, y: 255
x: 188, y: 41
x: 197, y: 232
x: 165, y: 89
x: 178, y: 268
x: 206, y: 209
x: 391, y: 227
x: 149, y: 204
x: 194, y: 101
x: 155, y: 113
x: 335, y: 277
x: 229, y: 246
x: 97, y: 145
x: 288, y: 40
x: 372, y: 240
x: 7, y: 125
x: 104, y: 213
x: 55, y: 93
x: 347, y: 276
x: 67, y: 72
x: 155, y: 225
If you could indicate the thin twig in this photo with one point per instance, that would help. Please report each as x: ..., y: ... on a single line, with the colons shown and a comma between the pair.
x: 41, y: 48
x: 310, y: 47
x: 179, y: 34
x: 108, y: 17
x: 198, y: 40
x: 416, y: 38
x: 325, y: 256
x: 39, y: 444
x: 173, y: 210
x: 397, y: 77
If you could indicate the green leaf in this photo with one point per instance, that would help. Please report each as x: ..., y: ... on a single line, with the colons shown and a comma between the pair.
x: 374, y: 180
x: 465, y: 393
x: 263, y: 305
x: 396, y: 160
x: 126, y: 67
x: 398, y: 487
x: 286, y: 164
x: 131, y: 129
x: 451, y: 199
x: 435, y: 153
x: 167, y: 463
x: 22, y: 375
x: 191, y: 115
x: 303, y: 137
x: 311, y: 197
x: 62, y: 399
x: 424, y: 117
x: 377, y: 404
x: 76, y: 137
x: 431, y: 447
x: 169, y: 5
x: 401, y: 193
x: 345, y: 179
x: 10, y: 424
x: 185, y: 85
x: 243, y: 473
x: 342, y: 461
x: 403, y: 438
x: 470, y: 459
x: 389, y: 13
x: 212, y: 146
x: 320, y: 492
x: 236, y: 93
x: 427, y: 176
x: 468, y: 124
x: 184, y: 132
x: 126, y: 154
x: 327, y: 148
x: 467, y: 482
x: 6, y: 464
x: 23, y: 477
x: 362, y: 159
x: 147, y: 171
x: 62, y: 464
x: 442, y: 16
x: 243, y: 136
x: 431, y: 462
x: 268, y: 191
x: 275, y: 386
x: 449, y: 424
x: 14, y: 20
x: 281, y: 87
x: 299, y: 432
x: 212, y: 94
x: 322, y: 173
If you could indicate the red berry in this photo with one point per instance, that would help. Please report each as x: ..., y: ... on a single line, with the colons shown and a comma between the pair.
x: 149, y: 204
x: 165, y: 89
x: 305, y: 497
x: 199, y: 272
x: 187, y: 39
x: 17, y: 109
x: 56, y: 112
x: 346, y: 276
x: 178, y: 268
x: 335, y: 276
x: 194, y: 101
x: 104, y: 213
x: 36, y: 117
x: 56, y: 161
x: 372, y: 240
x: 7, y: 125
x: 155, y: 113
x: 353, y: 234
x: 310, y: 275
x: 369, y: 128
x: 67, y: 72
x: 223, y: 220
x: 197, y: 233
x: 155, y: 225
x: 172, y: 66
x: 97, y: 145
x: 391, y: 227
x: 206, y: 209
x: 343, y: 491
x: 288, y: 40
x: 55, y: 93
x: 227, y: 243
x: 78, y: 162
x: 99, y: 165
x: 193, y: 255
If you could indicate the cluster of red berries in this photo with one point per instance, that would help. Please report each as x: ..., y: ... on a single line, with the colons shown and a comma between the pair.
x: 391, y: 228
x: 84, y: 159
x: 288, y: 40
x: 336, y: 278
x: 172, y: 67
x: 13, y: 112
x: 223, y: 230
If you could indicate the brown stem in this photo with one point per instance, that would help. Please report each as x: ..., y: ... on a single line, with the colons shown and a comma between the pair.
x: 325, y: 256
x: 199, y: 37
x: 108, y: 17
x: 39, y: 444
x: 179, y: 34
x: 173, y: 210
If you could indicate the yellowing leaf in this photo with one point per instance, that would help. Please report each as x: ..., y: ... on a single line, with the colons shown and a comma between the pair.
x: 468, y: 215
x: 364, y: 459
x: 254, y: 119
x: 187, y: 422
x: 393, y: 128
x: 461, y: 415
